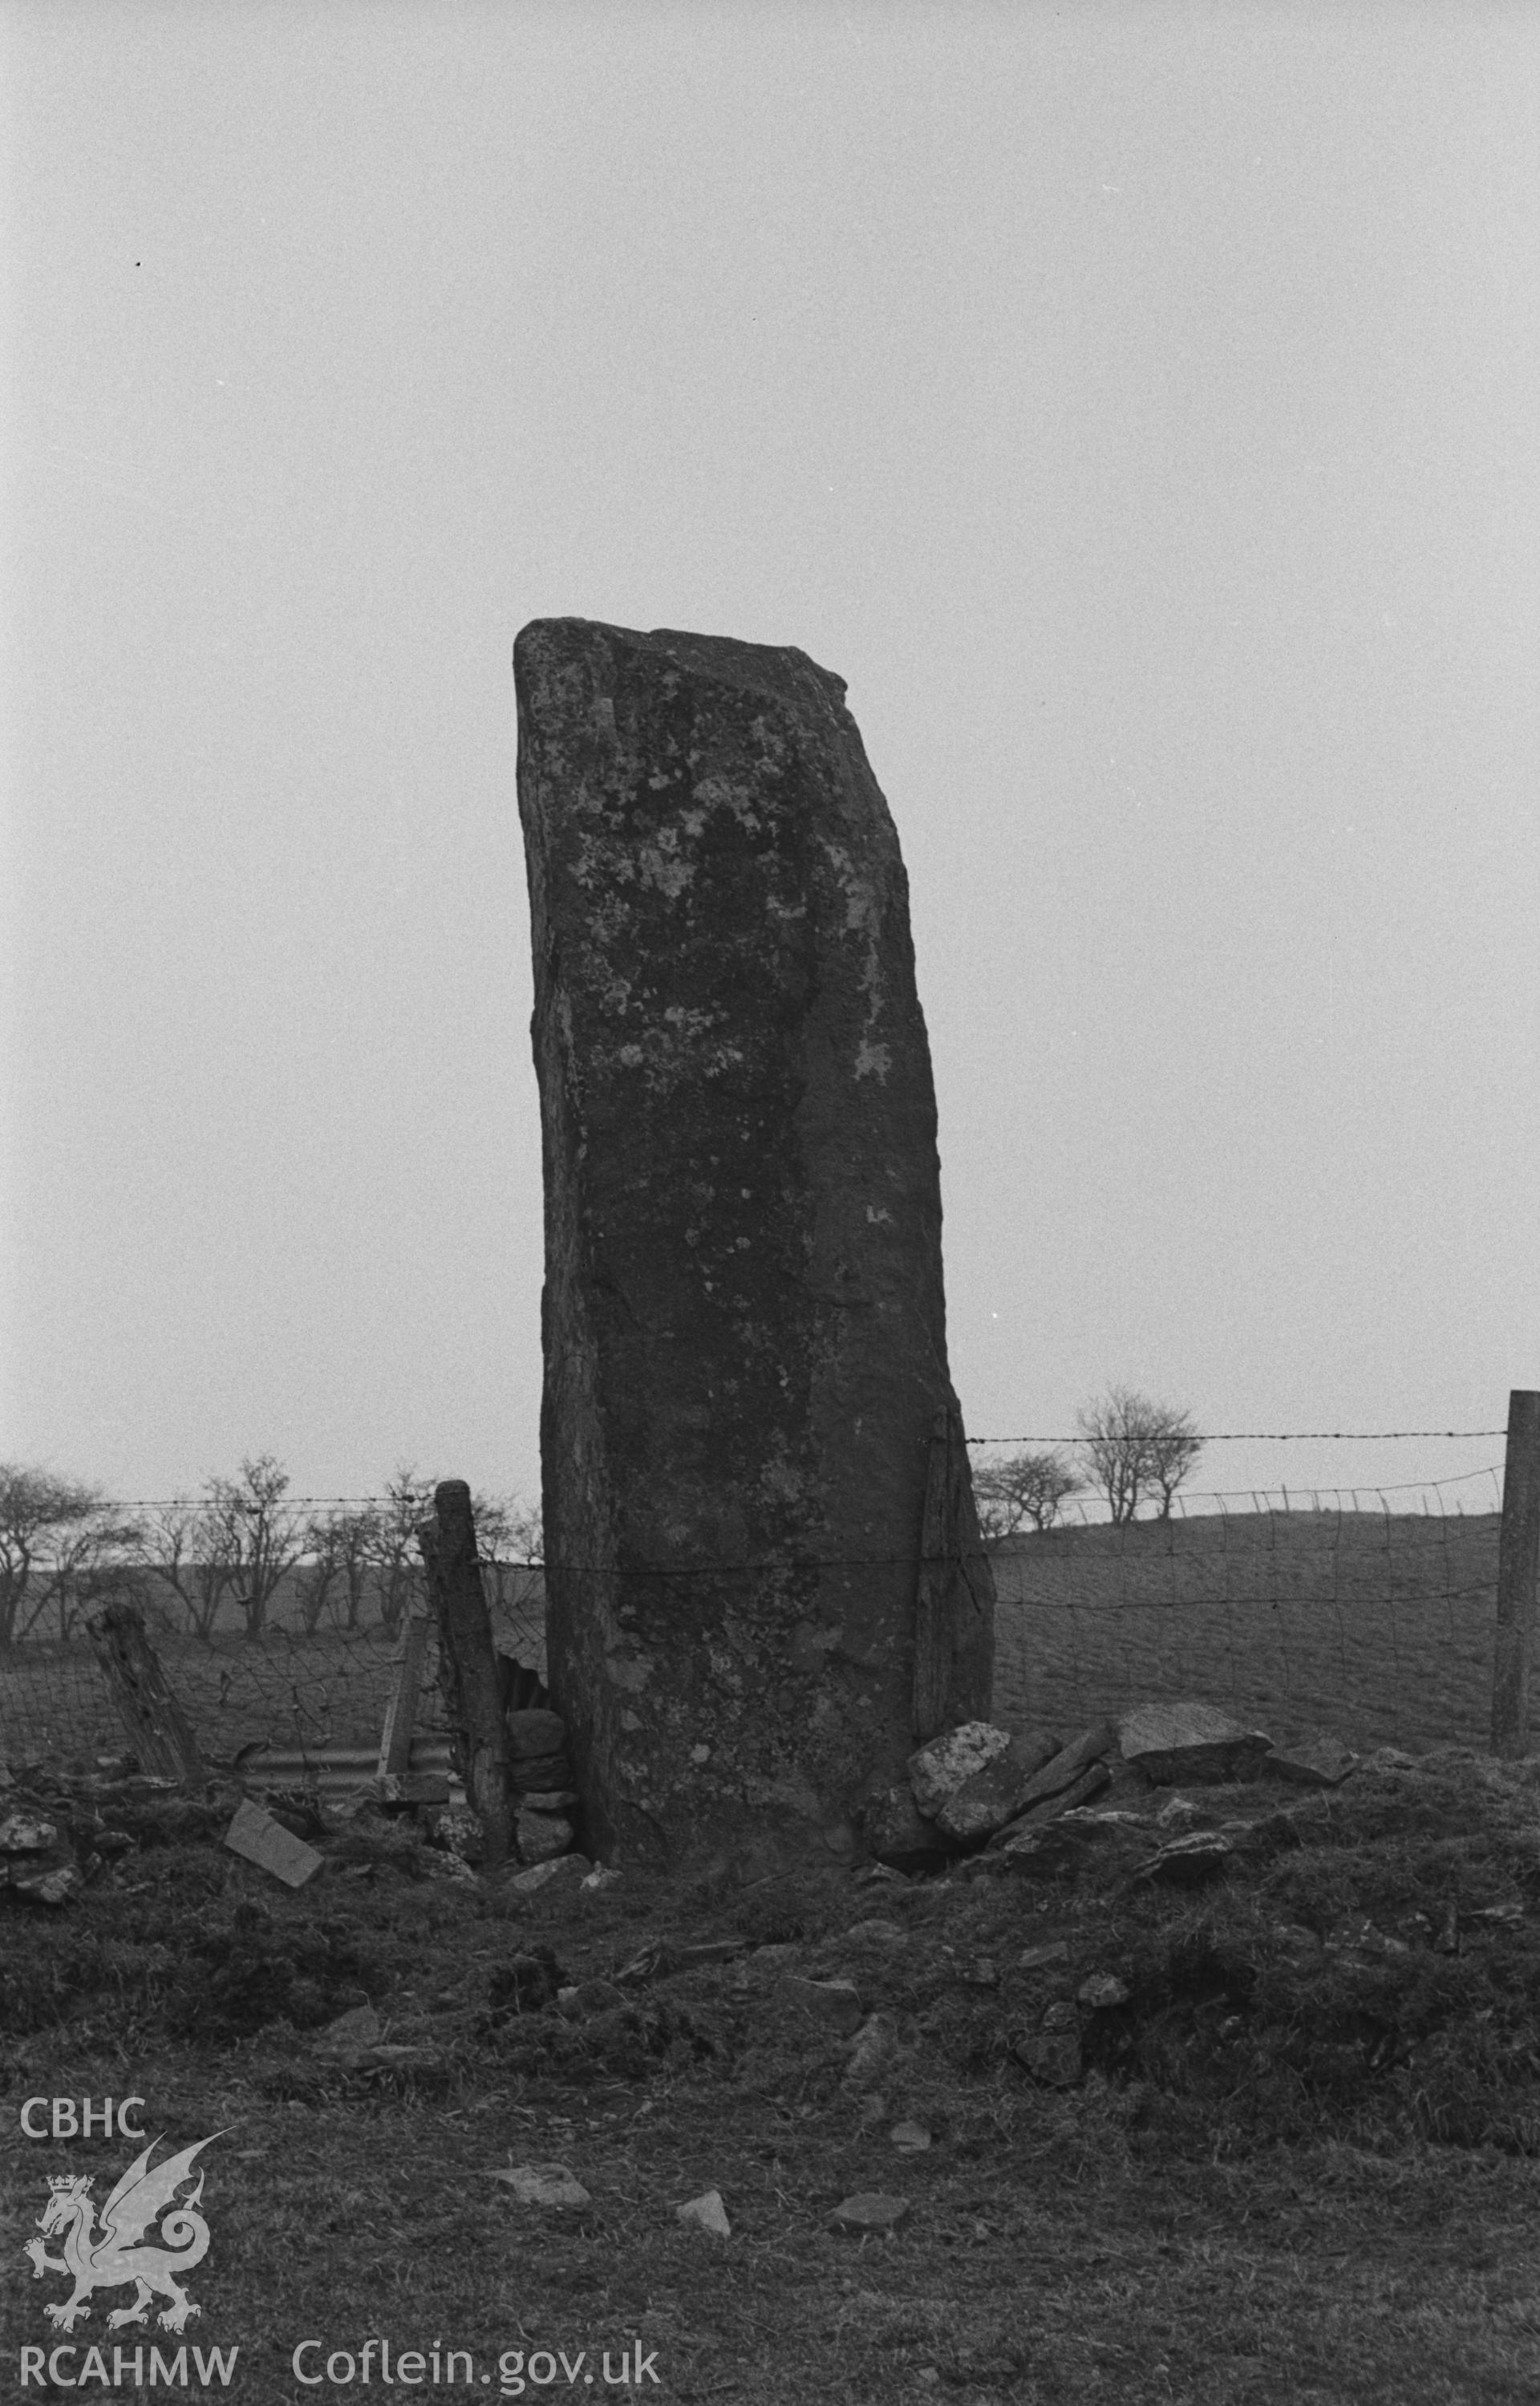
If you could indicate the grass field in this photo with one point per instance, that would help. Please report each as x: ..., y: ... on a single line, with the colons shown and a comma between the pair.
x: 1299, y: 2165
x: 1378, y: 1627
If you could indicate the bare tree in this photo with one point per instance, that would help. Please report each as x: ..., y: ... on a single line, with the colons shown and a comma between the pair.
x: 339, y: 1548
x: 255, y: 1532
x: 1134, y: 1444
x: 238, y: 1542
x: 393, y: 1544
x: 509, y: 1541
x: 56, y: 1535
x: 1023, y: 1487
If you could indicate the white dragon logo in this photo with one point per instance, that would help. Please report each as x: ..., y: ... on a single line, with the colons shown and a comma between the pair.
x: 105, y: 2259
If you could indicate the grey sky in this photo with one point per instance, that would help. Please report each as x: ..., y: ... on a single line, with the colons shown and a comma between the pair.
x: 1136, y: 406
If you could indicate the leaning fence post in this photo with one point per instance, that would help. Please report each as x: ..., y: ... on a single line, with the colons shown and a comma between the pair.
x: 159, y: 1731
x: 402, y: 1710
x: 1517, y: 1561
x: 468, y: 1666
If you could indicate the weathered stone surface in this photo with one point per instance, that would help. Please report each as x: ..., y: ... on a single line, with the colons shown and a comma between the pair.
x: 1319, y: 1761
x: 1087, y: 1783
x: 836, y: 2003
x: 541, y: 1835
x: 898, y: 1833
x: 549, y: 2185
x: 869, y: 2209
x: 706, y: 2212
x: 948, y: 1763
x: 744, y: 1324
x: 1190, y: 1741
x: 991, y: 1797
x: 1063, y: 1775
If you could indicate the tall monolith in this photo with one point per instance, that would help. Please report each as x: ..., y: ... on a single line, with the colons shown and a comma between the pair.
x: 743, y: 1319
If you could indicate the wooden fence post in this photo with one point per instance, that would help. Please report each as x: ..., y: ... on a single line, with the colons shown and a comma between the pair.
x: 158, y: 1731
x: 468, y: 1666
x: 1517, y: 1561
x: 954, y: 1596
x: 402, y: 1710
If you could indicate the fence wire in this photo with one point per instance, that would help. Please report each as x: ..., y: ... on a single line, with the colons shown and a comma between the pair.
x: 1366, y: 1610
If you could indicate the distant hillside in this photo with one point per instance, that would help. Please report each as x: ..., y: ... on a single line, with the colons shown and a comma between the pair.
x: 1378, y: 1626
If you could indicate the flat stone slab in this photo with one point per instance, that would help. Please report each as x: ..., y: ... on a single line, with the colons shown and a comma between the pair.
x: 1002, y: 1789
x: 256, y: 1836
x: 540, y: 1875
x: 1171, y: 1743
x: 869, y: 2209
x: 1092, y: 1781
x: 1192, y: 1861
x: 1313, y: 1762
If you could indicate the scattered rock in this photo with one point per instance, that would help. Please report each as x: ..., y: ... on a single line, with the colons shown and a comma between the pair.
x: 1028, y: 1775
x: 603, y: 1876
x: 21, y: 1833
x: 1190, y: 1741
x: 898, y: 1833
x: 48, y: 1884
x: 549, y: 2185
x: 570, y: 1868
x: 1051, y: 2052
x: 359, y: 2027
x: 1038, y: 1959
x: 1103, y: 1990
x: 708, y: 2213
x: 870, y: 2050
x: 879, y: 1934
x: 542, y: 1835
x: 526, y: 1984
x: 1391, y: 1757
x: 836, y: 2003
x: 912, y: 2138
x: 870, y: 2210
x: 256, y: 1836
x: 1177, y: 1812
x: 1087, y: 1783
x: 1320, y: 1762
x: 937, y: 1770
x: 1192, y: 1861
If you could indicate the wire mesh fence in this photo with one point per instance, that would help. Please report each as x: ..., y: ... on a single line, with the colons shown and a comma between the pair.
x: 1370, y: 1611
x: 1334, y: 1609
x: 282, y: 1686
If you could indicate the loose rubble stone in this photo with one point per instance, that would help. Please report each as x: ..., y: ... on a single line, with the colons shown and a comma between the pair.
x: 1038, y: 1959
x: 877, y: 1933
x: 1103, y: 1990
x: 540, y: 1875
x: 1029, y: 1776
x: 708, y: 2212
x: 603, y: 1875
x: 837, y: 2004
x: 1391, y: 1758
x: 541, y: 1835
x: 996, y: 1793
x: 744, y: 1325
x: 1176, y: 1813
x: 1191, y: 1861
x: 869, y: 2049
x: 549, y: 2185
x: 870, y: 2210
x: 1090, y: 1782
x: 1190, y: 1741
x: 1051, y: 2054
x: 359, y: 2027
x: 911, y: 2138
x: 54, y: 1884
x: 1313, y: 1762
x: 21, y: 1833
x: 937, y: 1770
x: 898, y: 1833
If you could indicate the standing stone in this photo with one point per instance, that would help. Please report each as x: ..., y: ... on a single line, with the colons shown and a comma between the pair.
x: 743, y: 1326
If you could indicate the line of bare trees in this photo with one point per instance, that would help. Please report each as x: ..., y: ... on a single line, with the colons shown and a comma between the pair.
x: 198, y: 1560
x: 1130, y: 1451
